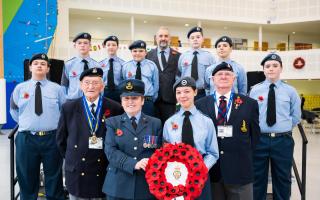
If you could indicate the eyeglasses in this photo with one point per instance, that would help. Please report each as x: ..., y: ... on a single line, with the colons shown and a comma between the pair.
x: 93, y: 83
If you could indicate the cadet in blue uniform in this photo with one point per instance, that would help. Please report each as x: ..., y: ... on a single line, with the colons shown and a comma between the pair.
x: 279, y: 106
x: 224, y: 49
x: 195, y: 61
x: 76, y: 65
x: 143, y: 69
x: 192, y: 127
x: 236, y: 118
x: 130, y: 140
x: 80, y: 135
x: 35, y: 106
x: 112, y: 67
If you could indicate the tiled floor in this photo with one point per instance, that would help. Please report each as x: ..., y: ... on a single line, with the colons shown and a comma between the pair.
x: 313, y: 165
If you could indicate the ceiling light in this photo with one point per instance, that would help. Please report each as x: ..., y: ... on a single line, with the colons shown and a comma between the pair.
x: 186, y: 25
x: 293, y: 32
x: 98, y: 18
x: 145, y: 21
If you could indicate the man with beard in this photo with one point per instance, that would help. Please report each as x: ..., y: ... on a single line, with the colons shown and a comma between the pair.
x: 166, y: 60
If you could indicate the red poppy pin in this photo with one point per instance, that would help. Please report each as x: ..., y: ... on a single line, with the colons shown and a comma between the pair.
x: 174, y: 126
x: 103, y: 65
x: 186, y: 63
x: 129, y: 74
x: 260, y: 98
x: 74, y: 73
x: 119, y: 132
x: 238, y: 102
x: 25, y: 95
x: 107, y: 113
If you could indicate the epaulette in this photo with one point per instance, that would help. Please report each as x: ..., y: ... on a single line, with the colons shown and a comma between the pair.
x: 71, y: 59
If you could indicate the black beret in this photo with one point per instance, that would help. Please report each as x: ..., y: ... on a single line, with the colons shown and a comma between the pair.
x: 222, y: 66
x: 39, y: 56
x: 223, y: 39
x: 138, y: 44
x: 131, y: 87
x: 111, y: 38
x: 194, y: 29
x: 82, y: 36
x: 92, y: 72
x: 185, y: 82
x: 271, y: 56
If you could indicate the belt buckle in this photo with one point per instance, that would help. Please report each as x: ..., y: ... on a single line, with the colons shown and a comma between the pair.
x: 41, y: 133
x: 272, y: 134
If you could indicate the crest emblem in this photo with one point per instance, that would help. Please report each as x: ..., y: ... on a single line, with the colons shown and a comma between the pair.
x: 129, y: 86
x: 224, y: 39
x: 273, y: 56
x: 177, y: 172
x: 184, y: 82
x: 113, y: 37
x: 94, y: 70
x: 142, y: 44
x: 198, y: 28
x: 43, y: 56
x: 85, y: 35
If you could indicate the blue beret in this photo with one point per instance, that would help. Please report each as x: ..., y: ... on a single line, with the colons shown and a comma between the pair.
x: 39, y: 56
x: 185, y: 82
x: 222, y: 66
x: 271, y: 56
x: 82, y: 36
x: 138, y: 44
x: 92, y: 72
x: 194, y: 29
x: 131, y: 87
x: 223, y: 39
x: 111, y: 38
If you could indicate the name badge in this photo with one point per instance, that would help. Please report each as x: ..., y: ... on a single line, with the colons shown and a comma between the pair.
x: 95, y: 142
x: 225, y: 131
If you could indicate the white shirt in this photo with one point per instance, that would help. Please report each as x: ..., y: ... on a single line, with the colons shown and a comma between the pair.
x: 217, y: 103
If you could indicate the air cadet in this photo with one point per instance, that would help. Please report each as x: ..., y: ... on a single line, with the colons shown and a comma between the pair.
x: 80, y: 135
x: 130, y: 140
x: 143, y: 69
x: 35, y: 106
x: 224, y: 48
x: 279, y: 106
x: 236, y: 118
x: 195, y: 61
x: 76, y: 65
x: 192, y: 127
x: 112, y: 67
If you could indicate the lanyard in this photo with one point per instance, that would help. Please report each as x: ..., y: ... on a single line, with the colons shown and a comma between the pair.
x: 93, y: 121
x: 228, y: 107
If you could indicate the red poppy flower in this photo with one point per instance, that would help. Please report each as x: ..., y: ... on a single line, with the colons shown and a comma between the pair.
x: 25, y: 95
x: 107, y: 113
x: 238, y: 102
x: 103, y: 65
x: 260, y: 98
x: 74, y: 73
x: 174, y: 126
x: 129, y: 74
x: 186, y: 63
x: 119, y: 132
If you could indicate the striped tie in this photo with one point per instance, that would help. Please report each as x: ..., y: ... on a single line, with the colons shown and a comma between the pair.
x: 222, y: 111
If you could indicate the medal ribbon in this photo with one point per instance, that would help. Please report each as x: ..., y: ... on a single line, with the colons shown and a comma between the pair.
x: 228, y: 107
x: 93, y: 121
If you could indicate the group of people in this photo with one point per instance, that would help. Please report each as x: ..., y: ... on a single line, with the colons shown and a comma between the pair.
x: 107, y: 118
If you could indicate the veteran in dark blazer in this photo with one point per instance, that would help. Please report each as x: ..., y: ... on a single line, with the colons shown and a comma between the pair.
x: 130, y: 140
x: 80, y: 135
x: 236, y: 118
x: 166, y: 59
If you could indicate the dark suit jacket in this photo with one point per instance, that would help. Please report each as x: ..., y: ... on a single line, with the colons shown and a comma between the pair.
x: 167, y: 76
x: 124, y: 151
x: 72, y: 139
x: 235, y: 165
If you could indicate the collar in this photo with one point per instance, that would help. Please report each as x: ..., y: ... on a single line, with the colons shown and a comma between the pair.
x: 193, y: 110
x: 137, y: 116
x: 142, y: 61
x: 226, y: 60
x: 95, y: 102
x: 166, y: 50
x: 277, y: 83
x: 43, y: 81
x: 86, y: 58
x: 227, y: 95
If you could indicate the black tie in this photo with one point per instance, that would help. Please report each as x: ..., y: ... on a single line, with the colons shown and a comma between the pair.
x: 92, y: 109
x: 138, y: 72
x: 221, y: 119
x: 271, y: 109
x: 111, y: 84
x: 133, y: 122
x: 194, y: 66
x: 163, y: 60
x: 38, y: 100
x: 85, y: 66
x: 187, y: 132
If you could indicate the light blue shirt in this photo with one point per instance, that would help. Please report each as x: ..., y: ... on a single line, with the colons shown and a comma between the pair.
x: 71, y: 74
x: 205, y: 59
x: 166, y: 55
x: 288, y: 111
x: 22, y: 105
x: 239, y: 85
x: 137, y: 116
x: 117, y: 68
x: 149, y: 75
x: 204, y: 134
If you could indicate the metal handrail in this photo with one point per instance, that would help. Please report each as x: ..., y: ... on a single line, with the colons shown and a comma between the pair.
x: 301, y: 181
x: 13, y: 178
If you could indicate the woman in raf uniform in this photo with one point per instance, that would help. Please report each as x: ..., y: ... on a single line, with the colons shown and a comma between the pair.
x: 130, y: 140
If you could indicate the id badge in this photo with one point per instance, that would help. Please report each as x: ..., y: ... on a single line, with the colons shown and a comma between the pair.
x: 95, y: 142
x: 225, y: 131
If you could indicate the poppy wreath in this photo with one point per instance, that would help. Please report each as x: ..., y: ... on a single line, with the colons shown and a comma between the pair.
x: 185, y: 154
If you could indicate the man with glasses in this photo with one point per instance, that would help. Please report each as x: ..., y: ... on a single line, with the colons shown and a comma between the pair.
x: 80, y: 137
